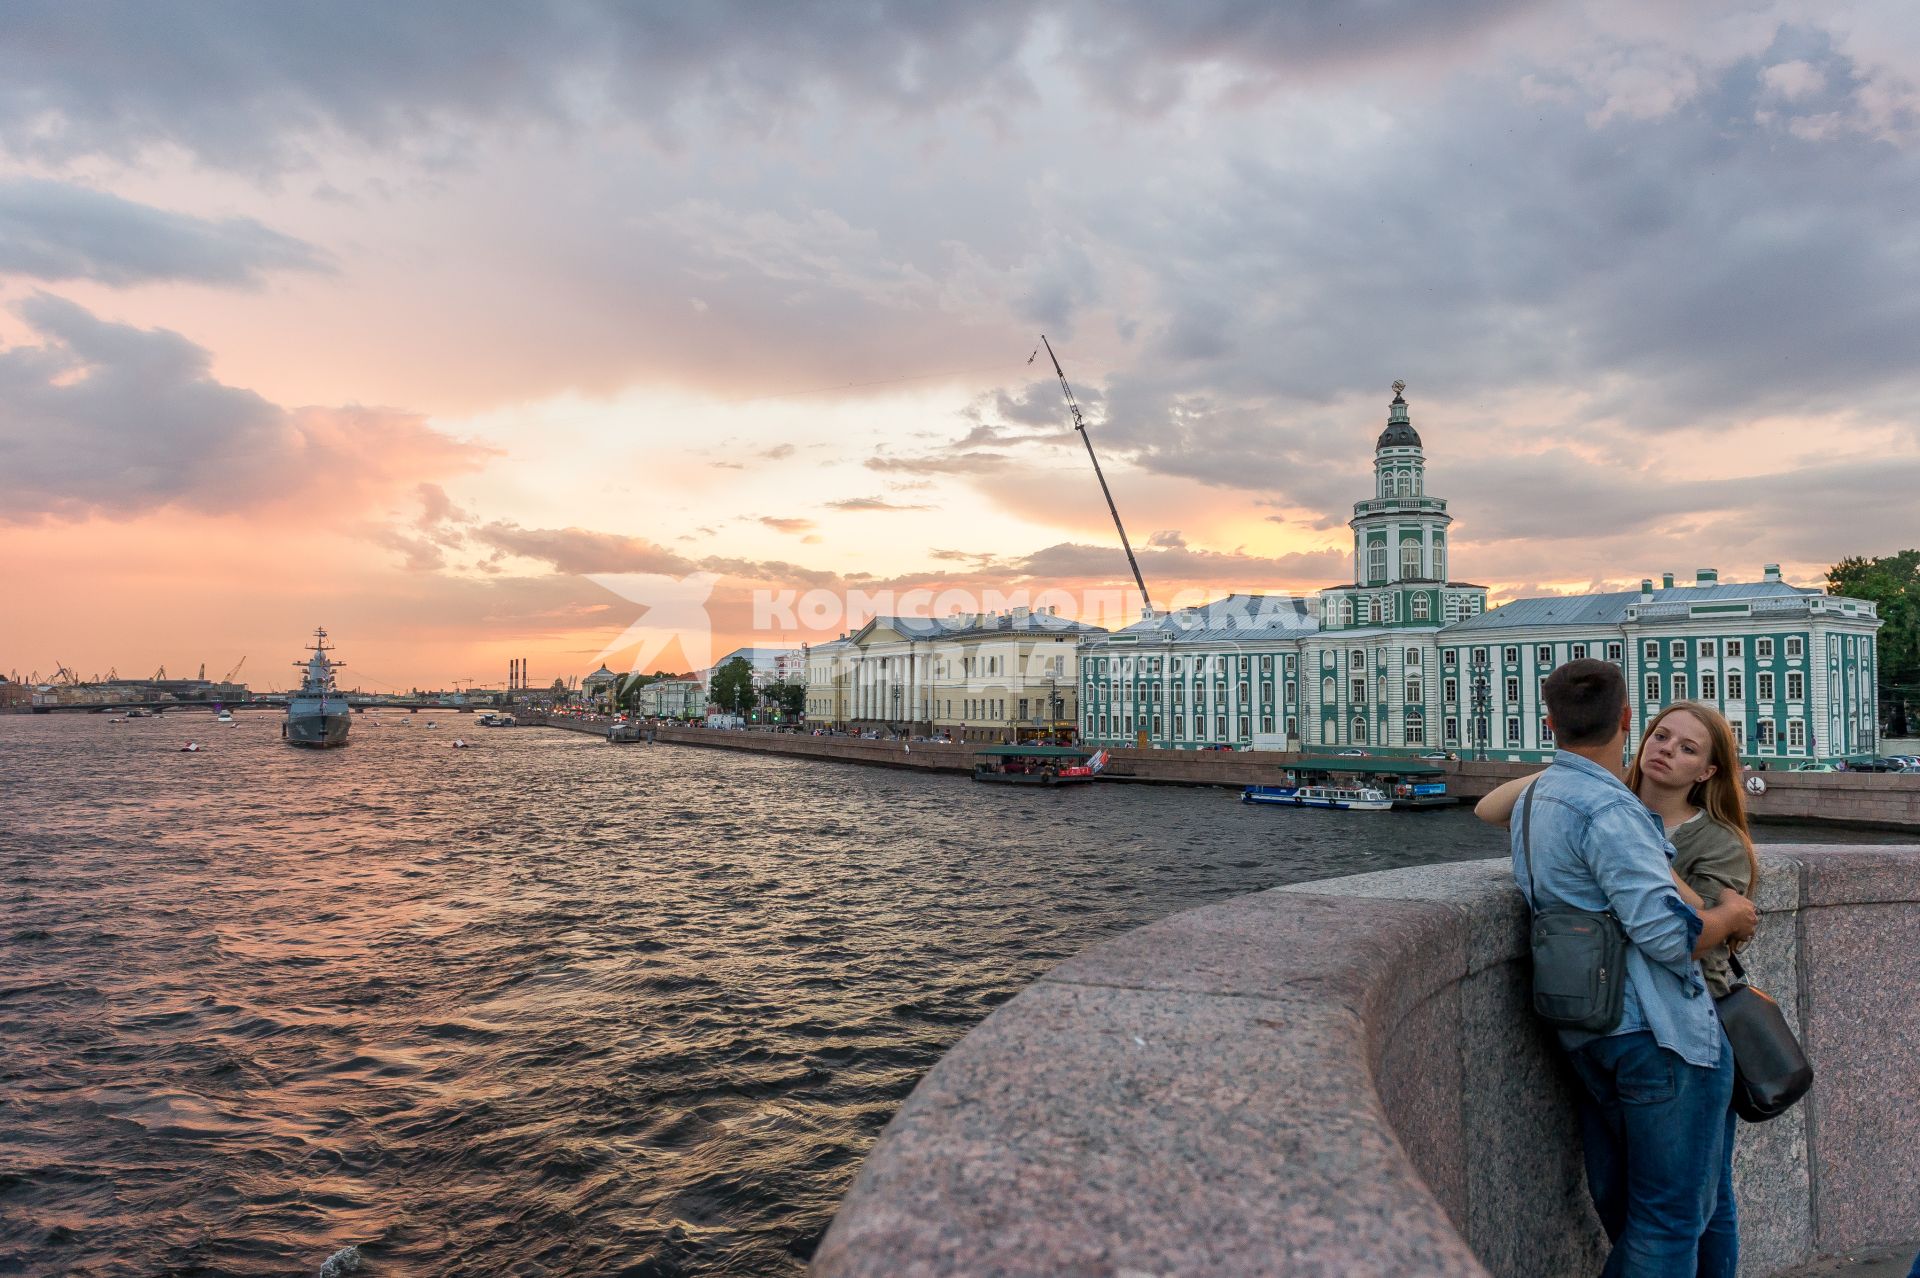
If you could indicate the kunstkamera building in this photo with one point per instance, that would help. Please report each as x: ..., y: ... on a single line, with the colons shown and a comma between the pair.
x: 1405, y: 660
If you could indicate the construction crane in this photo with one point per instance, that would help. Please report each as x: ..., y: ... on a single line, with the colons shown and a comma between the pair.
x: 228, y: 677
x: 1080, y: 424
x: 62, y: 673
x: 158, y: 675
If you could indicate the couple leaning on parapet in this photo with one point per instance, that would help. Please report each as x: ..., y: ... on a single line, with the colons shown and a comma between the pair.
x: 1662, y: 847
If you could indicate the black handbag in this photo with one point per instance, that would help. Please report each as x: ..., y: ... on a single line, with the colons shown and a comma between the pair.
x: 1579, y: 956
x: 1770, y: 1070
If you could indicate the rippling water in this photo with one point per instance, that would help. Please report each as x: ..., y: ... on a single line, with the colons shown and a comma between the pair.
x: 542, y: 1006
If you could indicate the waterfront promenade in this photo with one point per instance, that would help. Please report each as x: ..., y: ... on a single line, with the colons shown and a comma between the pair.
x: 1865, y: 800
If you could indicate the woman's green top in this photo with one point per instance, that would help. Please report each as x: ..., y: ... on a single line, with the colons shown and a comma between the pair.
x: 1710, y: 858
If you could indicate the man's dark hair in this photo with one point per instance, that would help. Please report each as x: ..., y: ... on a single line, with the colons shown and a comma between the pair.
x: 1584, y: 699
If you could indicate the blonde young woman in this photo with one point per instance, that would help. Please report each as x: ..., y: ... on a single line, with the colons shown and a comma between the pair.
x: 1687, y: 772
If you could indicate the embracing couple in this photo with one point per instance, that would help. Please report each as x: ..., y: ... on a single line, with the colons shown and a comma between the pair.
x: 1663, y: 847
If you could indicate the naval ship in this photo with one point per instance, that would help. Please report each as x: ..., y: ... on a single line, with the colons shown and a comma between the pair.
x: 318, y: 715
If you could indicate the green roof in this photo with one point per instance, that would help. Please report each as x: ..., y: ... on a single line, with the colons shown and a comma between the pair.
x: 1036, y: 752
x: 1397, y: 767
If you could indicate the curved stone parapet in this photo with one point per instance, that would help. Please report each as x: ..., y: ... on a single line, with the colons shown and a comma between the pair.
x: 1341, y: 1077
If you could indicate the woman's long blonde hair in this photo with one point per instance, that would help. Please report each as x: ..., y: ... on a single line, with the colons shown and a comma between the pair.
x: 1721, y: 796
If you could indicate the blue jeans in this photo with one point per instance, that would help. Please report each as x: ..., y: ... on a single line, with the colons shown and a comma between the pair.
x: 1720, y: 1244
x: 1654, y: 1131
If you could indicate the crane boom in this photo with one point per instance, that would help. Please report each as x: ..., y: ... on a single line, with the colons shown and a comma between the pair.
x: 1080, y: 424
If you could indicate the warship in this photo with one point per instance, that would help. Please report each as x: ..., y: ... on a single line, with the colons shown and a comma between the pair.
x: 318, y: 715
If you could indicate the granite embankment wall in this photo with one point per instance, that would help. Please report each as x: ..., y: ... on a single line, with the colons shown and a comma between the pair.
x: 1342, y: 1078
x: 1868, y: 799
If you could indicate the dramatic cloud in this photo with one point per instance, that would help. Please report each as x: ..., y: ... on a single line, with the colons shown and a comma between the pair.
x: 110, y: 419
x: 581, y: 550
x: 52, y: 231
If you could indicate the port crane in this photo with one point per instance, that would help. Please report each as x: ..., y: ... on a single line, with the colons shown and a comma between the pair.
x: 1080, y: 424
x: 228, y: 677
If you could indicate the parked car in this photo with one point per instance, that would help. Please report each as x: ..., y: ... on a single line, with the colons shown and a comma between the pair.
x: 1435, y: 754
x: 1350, y: 753
x: 1816, y: 767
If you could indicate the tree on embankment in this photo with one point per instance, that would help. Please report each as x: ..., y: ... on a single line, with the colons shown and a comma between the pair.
x: 790, y: 697
x: 732, y: 688
x: 1892, y: 582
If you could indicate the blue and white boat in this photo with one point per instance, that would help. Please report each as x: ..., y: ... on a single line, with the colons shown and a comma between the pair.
x: 1340, y: 797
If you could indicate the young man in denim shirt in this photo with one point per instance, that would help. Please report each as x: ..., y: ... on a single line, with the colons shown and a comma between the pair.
x: 1657, y: 1087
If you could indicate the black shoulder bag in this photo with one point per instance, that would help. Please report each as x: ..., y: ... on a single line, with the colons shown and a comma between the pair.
x: 1770, y: 1071
x: 1579, y: 956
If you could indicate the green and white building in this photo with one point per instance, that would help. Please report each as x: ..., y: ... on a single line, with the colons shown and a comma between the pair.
x: 1403, y: 660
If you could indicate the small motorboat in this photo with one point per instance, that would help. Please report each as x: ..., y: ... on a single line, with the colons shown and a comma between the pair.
x: 1342, y: 798
x: 191, y: 747
x: 458, y: 744
x: 225, y: 716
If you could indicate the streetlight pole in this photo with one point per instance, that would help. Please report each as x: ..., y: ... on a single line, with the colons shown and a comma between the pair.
x: 1482, y: 703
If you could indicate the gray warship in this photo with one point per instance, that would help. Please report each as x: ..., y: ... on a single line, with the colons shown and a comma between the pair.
x: 318, y: 715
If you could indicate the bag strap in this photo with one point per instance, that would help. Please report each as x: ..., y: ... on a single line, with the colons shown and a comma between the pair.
x: 1733, y: 961
x: 1526, y: 848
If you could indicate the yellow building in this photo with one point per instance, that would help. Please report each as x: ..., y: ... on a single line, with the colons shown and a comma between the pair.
x: 1011, y: 676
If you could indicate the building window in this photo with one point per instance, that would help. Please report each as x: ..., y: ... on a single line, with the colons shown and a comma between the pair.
x: 1513, y: 690
x: 1243, y: 727
x: 1245, y: 665
x: 1420, y: 610
x: 1652, y: 696
x: 1480, y: 655
x: 1513, y: 730
x: 1709, y: 685
x: 1346, y: 612
x: 1450, y: 657
x: 1652, y: 650
x: 1359, y: 730
x: 1796, y: 734
x: 1679, y: 687
x: 1449, y: 689
x: 1266, y: 724
x: 1736, y: 686
x: 1450, y: 730
x: 1413, y: 690
x: 1290, y: 694
x: 1440, y: 563
x: 1615, y: 653
x: 1356, y: 660
x: 1546, y: 733
x: 1413, y: 657
x: 1739, y: 734
x: 1764, y: 734
x: 1796, y: 685
x: 1763, y: 684
x: 1293, y: 727
x: 1156, y: 725
x: 1511, y: 656
x: 1289, y: 663
x: 1543, y: 654
x: 1266, y: 665
x: 1416, y: 732
x: 1409, y: 560
x: 1243, y: 693
x: 1763, y: 649
x: 1358, y: 691
x: 1734, y: 647
x: 1677, y: 650
x: 1706, y: 647
x: 1796, y: 646
x: 1376, y: 563
x: 1579, y: 651
x: 1220, y: 723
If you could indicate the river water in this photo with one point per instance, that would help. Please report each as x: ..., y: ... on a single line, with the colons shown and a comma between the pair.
x: 540, y: 1006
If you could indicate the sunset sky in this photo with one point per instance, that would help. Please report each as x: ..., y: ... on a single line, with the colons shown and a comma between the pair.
x: 410, y: 319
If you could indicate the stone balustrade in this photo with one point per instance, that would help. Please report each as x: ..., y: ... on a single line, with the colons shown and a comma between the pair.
x: 1342, y: 1078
